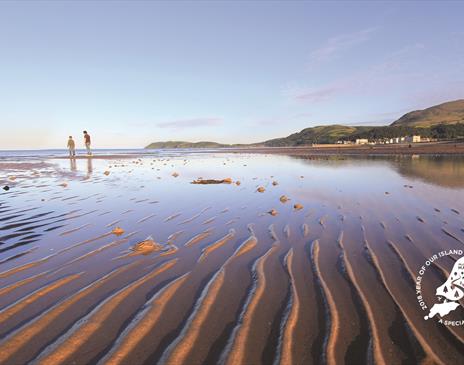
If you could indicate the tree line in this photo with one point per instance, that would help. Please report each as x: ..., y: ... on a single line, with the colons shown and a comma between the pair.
x: 440, y: 131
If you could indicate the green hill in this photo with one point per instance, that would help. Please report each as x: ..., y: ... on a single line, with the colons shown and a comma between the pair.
x: 320, y: 134
x: 183, y: 144
x: 444, y: 121
x: 451, y: 112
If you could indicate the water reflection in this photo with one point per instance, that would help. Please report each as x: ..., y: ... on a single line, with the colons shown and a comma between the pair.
x: 446, y: 171
x: 89, y: 165
x: 72, y: 164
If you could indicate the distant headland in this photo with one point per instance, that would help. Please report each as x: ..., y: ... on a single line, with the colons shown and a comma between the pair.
x: 437, y: 123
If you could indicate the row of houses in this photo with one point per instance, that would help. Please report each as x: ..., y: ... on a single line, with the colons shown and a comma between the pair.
x: 396, y: 140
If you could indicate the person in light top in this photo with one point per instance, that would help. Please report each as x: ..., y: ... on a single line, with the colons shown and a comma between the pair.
x: 71, y: 147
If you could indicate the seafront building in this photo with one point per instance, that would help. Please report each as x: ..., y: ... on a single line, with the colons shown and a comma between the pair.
x: 395, y: 140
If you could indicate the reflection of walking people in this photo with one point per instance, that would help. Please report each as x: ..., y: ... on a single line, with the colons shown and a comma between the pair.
x: 71, y: 147
x: 87, y: 142
x: 89, y: 166
x: 73, y: 165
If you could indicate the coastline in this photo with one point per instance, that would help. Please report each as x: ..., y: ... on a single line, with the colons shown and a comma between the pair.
x: 436, y: 148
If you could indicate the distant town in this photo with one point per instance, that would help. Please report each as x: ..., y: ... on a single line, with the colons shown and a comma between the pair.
x: 396, y: 140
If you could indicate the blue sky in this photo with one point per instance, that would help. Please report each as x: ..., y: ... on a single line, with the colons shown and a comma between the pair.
x: 136, y: 72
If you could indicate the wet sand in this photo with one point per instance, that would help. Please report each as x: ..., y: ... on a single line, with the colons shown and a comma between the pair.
x: 328, y: 277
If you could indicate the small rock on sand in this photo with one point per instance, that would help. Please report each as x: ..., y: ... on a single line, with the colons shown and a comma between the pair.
x: 237, y: 183
x: 298, y: 206
x: 147, y: 246
x: 117, y: 231
x: 6, y: 188
x: 106, y: 173
x: 273, y: 212
x: 175, y: 174
x: 275, y: 183
x: 261, y: 189
x: 283, y: 199
x: 64, y: 184
x: 227, y: 180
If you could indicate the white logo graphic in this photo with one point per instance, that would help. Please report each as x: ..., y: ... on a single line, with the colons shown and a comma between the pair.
x: 448, y: 294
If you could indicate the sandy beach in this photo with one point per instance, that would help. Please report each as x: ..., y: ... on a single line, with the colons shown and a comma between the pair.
x: 295, y: 260
x: 231, y: 182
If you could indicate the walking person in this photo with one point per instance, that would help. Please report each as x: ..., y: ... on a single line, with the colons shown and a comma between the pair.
x: 71, y: 147
x: 87, y: 142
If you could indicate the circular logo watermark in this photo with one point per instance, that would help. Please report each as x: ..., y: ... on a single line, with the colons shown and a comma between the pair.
x: 447, y: 295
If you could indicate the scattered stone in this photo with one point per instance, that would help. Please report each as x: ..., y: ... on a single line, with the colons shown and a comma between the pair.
x: 175, y: 174
x: 283, y: 199
x: 298, y: 206
x: 6, y: 188
x: 261, y: 189
x: 237, y: 183
x: 106, y: 173
x: 387, y: 193
x: 275, y: 183
x: 212, y: 181
x: 117, y: 231
x: 147, y: 246
x: 273, y: 212
x: 12, y: 178
x: 64, y: 184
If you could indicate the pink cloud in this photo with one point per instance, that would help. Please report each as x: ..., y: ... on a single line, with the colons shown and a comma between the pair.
x: 339, y: 44
x: 318, y: 95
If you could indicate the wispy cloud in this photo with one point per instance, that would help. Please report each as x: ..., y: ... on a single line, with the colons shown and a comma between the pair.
x: 191, y: 123
x: 319, y: 94
x: 397, y: 68
x: 338, y: 44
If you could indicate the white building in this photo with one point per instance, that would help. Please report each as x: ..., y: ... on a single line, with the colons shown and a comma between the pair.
x: 413, y: 139
x: 362, y: 141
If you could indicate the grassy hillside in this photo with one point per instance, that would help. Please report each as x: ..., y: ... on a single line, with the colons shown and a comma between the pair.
x: 320, y: 134
x: 447, y: 113
x: 444, y: 121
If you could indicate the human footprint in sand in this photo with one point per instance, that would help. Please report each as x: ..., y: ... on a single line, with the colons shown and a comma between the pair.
x: 87, y: 142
